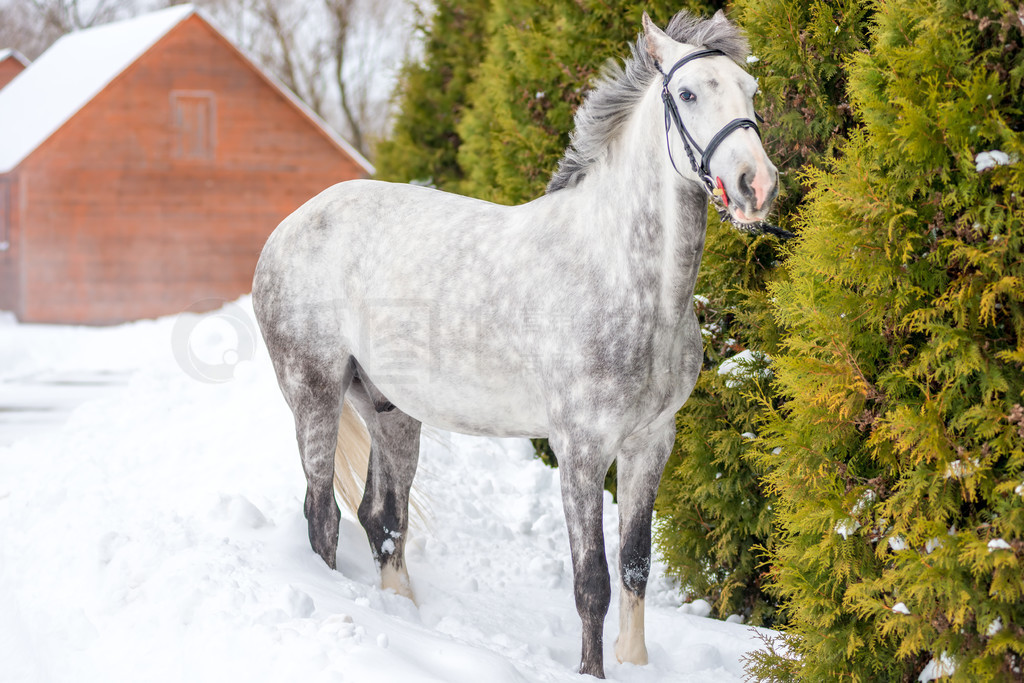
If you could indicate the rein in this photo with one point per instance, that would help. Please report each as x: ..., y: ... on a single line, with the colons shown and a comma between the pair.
x: 713, y: 186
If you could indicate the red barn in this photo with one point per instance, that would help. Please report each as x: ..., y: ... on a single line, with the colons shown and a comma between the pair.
x: 12, y: 63
x: 143, y: 165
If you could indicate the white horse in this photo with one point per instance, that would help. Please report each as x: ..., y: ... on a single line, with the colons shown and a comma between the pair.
x: 569, y: 317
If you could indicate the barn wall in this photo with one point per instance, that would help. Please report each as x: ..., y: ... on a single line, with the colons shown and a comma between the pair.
x: 123, y: 224
x: 10, y: 254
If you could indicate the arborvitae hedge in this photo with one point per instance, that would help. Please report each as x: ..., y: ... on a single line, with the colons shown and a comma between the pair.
x: 431, y: 94
x: 898, y: 474
x: 714, y: 514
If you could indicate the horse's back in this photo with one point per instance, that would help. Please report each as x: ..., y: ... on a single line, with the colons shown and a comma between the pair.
x: 362, y: 226
x: 337, y: 244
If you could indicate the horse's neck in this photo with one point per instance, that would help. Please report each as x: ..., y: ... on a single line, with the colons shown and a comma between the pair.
x: 641, y: 207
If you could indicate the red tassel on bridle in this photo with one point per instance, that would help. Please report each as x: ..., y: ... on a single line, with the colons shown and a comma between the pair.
x: 720, y: 191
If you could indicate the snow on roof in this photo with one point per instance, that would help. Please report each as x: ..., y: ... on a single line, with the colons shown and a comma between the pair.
x: 13, y: 54
x: 80, y: 65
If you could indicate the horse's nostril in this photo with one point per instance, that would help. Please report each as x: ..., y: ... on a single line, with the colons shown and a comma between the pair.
x: 746, y: 186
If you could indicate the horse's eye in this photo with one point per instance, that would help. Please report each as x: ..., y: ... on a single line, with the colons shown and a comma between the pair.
x: 687, y: 96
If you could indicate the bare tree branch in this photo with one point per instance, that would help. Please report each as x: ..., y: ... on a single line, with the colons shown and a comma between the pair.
x: 340, y: 12
x: 284, y: 37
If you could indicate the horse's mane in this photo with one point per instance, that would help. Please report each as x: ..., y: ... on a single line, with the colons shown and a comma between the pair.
x: 619, y: 88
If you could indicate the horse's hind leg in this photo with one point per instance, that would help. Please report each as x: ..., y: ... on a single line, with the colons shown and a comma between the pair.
x: 640, y: 464
x: 314, y: 389
x: 384, y: 511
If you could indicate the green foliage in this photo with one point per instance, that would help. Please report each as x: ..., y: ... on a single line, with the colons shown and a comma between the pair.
x: 424, y: 143
x: 714, y: 514
x: 774, y: 662
x: 901, y: 446
x: 801, y: 49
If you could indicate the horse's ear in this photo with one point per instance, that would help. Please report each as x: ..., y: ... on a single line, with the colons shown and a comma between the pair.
x: 719, y: 16
x: 657, y: 40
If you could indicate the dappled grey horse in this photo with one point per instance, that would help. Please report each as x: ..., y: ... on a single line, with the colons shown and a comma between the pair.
x: 569, y: 317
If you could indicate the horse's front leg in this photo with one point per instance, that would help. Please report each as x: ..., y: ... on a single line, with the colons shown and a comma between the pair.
x: 582, y: 466
x: 639, y: 468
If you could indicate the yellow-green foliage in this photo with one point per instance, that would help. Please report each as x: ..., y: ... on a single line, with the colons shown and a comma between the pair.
x: 899, y: 475
x: 801, y: 49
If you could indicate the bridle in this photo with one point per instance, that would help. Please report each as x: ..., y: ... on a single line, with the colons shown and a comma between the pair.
x: 713, y: 186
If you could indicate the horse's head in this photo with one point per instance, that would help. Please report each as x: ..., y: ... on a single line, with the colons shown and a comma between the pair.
x: 708, y: 101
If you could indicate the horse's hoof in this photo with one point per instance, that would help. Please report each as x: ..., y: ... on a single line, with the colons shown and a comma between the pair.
x: 630, y: 653
x: 324, y: 544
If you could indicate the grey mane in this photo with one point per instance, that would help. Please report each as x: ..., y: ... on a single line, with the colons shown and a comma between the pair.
x: 619, y: 88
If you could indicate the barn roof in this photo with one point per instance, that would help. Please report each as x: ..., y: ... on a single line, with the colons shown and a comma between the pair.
x: 80, y: 65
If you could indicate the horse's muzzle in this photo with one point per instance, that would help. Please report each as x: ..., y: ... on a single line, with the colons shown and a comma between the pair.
x: 755, y: 190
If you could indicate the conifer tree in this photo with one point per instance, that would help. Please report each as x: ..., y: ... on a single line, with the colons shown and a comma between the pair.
x: 714, y: 514
x: 431, y: 96
x: 898, y: 458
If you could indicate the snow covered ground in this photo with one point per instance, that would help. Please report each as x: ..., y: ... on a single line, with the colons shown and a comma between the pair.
x: 155, y: 533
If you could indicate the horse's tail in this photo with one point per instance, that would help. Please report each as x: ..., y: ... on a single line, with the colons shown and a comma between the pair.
x: 351, y: 460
